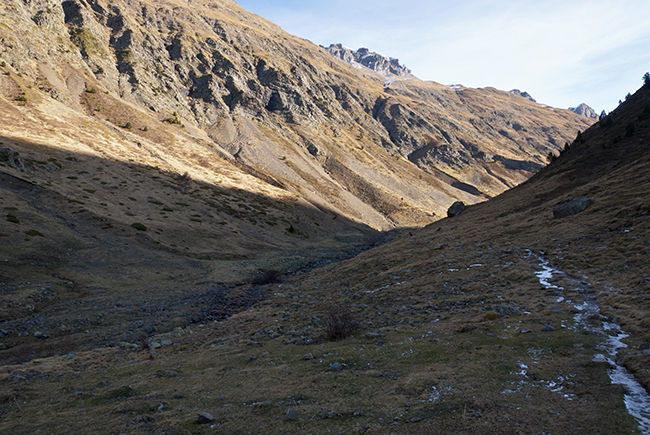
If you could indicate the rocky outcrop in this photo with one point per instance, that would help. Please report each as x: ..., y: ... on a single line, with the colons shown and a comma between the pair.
x: 571, y: 207
x: 584, y: 110
x: 374, y: 61
x: 456, y: 208
x: 523, y: 94
x: 341, y: 135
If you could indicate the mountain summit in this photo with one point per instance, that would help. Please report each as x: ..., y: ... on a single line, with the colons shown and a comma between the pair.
x: 379, y: 63
x: 584, y: 110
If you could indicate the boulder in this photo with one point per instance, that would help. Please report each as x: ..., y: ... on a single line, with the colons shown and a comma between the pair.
x: 571, y: 207
x: 292, y: 414
x: 456, y: 209
x: 205, y: 418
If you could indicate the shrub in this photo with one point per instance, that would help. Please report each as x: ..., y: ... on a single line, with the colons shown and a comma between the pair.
x: 174, y: 119
x: 128, y: 126
x: 646, y: 80
x: 340, y: 323
x: 184, y: 181
x: 13, y: 219
x: 138, y: 226
x: 630, y: 130
x: 492, y: 315
x: 267, y: 277
x: 92, y: 91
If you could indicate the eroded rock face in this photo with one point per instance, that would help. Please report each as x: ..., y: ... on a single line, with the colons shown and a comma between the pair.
x: 370, y: 59
x: 287, y: 112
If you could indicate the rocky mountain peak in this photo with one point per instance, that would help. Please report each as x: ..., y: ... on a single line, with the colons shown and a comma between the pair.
x: 370, y: 59
x: 523, y: 94
x: 584, y: 110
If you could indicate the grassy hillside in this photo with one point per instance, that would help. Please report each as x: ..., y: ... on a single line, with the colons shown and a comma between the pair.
x: 459, y: 331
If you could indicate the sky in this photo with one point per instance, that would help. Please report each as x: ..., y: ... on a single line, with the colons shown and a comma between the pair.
x: 562, y: 52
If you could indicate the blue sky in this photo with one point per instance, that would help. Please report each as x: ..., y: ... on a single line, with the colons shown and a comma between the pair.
x: 563, y: 52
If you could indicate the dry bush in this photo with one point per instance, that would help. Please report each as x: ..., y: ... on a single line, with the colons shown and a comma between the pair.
x: 492, y: 315
x: 184, y: 181
x: 340, y: 323
x: 267, y: 277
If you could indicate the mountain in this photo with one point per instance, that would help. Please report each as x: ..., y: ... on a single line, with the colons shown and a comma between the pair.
x: 210, y: 89
x: 584, y: 110
x: 505, y: 319
x: 523, y: 94
x: 191, y: 201
x: 371, y: 60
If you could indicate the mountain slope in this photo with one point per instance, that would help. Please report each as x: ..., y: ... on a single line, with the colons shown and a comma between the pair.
x: 240, y: 91
x: 500, y: 320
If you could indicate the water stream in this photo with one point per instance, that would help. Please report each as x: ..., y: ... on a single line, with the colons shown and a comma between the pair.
x: 637, y: 399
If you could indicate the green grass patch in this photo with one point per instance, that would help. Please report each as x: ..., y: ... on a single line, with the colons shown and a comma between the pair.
x: 138, y: 226
x: 34, y: 233
x: 13, y: 219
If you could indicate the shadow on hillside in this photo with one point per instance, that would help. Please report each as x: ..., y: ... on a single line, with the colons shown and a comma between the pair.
x: 123, y: 250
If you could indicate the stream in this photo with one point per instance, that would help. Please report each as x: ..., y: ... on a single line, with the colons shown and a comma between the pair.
x: 637, y: 399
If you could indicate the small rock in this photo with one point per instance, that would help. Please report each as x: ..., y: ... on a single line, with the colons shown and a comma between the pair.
x: 2, y: 346
x: 599, y: 359
x: 645, y: 346
x: 292, y: 414
x: 165, y: 342
x: 505, y: 310
x: 489, y: 334
x: 337, y: 367
x: 308, y: 357
x: 548, y: 328
x: 526, y: 331
x: 205, y: 418
x: 154, y: 345
x: 414, y: 420
x: 556, y: 310
x: 455, y: 209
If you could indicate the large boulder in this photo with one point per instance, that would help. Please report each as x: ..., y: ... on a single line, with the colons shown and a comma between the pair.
x: 571, y: 207
x: 456, y: 209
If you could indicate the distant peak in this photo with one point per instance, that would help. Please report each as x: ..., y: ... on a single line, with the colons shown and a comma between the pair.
x: 523, y: 94
x: 584, y: 110
x: 369, y: 59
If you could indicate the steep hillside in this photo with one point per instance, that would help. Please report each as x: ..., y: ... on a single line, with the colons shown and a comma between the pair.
x: 514, y: 317
x: 205, y: 86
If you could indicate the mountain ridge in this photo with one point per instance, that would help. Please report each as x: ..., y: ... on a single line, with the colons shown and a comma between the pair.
x: 248, y: 89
